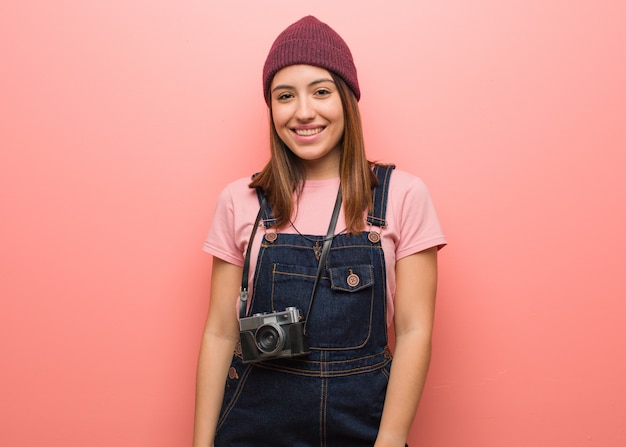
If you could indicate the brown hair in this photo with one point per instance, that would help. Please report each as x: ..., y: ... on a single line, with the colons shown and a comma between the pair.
x: 283, y: 176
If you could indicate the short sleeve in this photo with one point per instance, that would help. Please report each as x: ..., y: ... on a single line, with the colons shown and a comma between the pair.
x: 418, y: 226
x: 221, y: 241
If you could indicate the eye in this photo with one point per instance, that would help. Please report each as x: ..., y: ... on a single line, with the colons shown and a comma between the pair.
x: 284, y: 96
x: 322, y: 92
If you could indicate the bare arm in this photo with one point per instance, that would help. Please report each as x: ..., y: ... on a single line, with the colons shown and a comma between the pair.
x: 219, y: 339
x: 416, y: 278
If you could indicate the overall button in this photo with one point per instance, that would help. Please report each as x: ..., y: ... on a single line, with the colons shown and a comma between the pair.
x: 388, y: 353
x: 270, y: 237
x: 353, y: 279
x: 232, y: 373
x: 238, y: 348
x: 373, y: 237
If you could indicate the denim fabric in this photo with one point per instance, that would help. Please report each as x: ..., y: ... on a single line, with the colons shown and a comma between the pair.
x: 334, y: 395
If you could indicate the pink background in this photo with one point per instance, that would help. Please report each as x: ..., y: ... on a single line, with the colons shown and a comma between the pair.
x: 120, y: 121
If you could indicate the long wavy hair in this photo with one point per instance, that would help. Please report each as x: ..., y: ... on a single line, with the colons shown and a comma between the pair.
x: 283, y: 176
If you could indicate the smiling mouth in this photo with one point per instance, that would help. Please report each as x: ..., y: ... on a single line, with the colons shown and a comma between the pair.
x: 308, y: 132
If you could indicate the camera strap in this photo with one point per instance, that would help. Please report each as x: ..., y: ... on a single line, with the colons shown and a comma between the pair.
x: 243, y: 291
x: 328, y: 240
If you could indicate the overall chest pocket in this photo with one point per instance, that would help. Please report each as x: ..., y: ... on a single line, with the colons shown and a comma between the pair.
x: 342, y: 311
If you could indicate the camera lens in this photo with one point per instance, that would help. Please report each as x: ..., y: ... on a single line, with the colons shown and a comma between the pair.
x: 270, y: 338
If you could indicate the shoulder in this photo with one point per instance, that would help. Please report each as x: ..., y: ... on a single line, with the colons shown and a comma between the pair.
x: 403, y: 183
x: 240, y: 186
x: 234, y: 216
x: 238, y: 192
x: 237, y: 203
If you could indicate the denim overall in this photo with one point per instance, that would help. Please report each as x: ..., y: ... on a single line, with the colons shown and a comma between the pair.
x: 333, y: 396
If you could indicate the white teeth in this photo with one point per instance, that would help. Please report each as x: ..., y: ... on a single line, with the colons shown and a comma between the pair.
x: 308, y: 132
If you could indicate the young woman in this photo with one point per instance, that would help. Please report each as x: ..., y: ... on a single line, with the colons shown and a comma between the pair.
x: 344, y: 248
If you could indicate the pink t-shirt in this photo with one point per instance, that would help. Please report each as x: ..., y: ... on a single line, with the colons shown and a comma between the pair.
x: 412, y: 223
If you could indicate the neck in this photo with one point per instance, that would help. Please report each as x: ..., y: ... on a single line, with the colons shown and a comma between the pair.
x: 324, y: 168
x: 321, y: 174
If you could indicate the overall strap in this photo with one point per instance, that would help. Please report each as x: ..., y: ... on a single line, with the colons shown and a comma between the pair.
x: 380, y: 193
x: 268, y: 216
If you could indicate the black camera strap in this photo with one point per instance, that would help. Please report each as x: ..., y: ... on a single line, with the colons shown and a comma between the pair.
x: 328, y: 240
x: 243, y: 291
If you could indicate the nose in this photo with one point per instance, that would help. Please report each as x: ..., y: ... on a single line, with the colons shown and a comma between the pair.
x: 305, y: 110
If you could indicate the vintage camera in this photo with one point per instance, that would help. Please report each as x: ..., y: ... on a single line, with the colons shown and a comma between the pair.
x: 273, y: 335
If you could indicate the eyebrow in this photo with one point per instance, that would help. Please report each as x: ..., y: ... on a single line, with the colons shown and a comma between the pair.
x: 311, y: 84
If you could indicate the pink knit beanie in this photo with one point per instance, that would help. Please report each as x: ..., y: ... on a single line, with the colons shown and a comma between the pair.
x: 310, y: 42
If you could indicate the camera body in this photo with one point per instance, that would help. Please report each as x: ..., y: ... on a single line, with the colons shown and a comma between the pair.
x: 273, y: 335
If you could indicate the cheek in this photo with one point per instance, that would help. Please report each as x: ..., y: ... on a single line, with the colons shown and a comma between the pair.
x: 339, y: 122
x: 279, y: 117
x: 342, y: 123
x: 336, y: 112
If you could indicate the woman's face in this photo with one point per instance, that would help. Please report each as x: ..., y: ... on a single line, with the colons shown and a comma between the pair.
x: 308, y: 117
